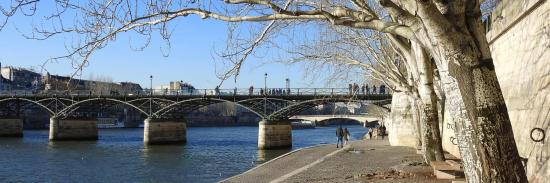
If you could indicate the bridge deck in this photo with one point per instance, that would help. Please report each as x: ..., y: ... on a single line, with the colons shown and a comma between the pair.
x: 170, y: 103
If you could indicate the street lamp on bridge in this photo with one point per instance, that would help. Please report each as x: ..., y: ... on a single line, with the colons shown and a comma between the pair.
x: 265, y: 94
x: 150, y: 94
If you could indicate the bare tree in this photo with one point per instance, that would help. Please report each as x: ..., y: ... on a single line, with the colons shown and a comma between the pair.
x: 406, y: 68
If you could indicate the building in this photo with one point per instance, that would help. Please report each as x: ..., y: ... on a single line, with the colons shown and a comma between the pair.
x: 20, y: 79
x: 129, y: 86
x: 174, y: 88
x: 55, y: 82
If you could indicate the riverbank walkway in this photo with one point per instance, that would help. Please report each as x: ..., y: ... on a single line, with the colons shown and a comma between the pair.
x: 360, y: 161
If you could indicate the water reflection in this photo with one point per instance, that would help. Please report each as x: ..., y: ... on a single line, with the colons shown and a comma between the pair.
x: 71, y: 145
x: 266, y: 155
x: 152, y: 153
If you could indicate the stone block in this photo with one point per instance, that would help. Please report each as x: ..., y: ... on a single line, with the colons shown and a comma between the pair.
x: 444, y: 170
x: 158, y: 131
x: 273, y: 135
x: 73, y: 129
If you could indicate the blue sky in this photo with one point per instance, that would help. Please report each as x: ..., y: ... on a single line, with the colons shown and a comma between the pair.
x: 191, y: 58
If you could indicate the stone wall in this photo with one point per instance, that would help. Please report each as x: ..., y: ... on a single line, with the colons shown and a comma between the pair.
x: 11, y: 127
x: 73, y: 129
x: 401, y: 130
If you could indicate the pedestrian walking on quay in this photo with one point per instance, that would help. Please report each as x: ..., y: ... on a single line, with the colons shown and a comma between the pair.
x: 339, y: 136
x: 370, y: 133
x: 383, y: 131
x: 346, y: 136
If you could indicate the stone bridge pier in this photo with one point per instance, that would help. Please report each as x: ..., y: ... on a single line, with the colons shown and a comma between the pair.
x: 164, y: 131
x: 11, y: 127
x: 274, y: 134
x: 73, y: 129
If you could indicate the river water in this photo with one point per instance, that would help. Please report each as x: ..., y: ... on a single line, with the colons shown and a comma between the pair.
x: 210, y: 155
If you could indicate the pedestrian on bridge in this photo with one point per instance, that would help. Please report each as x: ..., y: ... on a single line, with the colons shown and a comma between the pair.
x: 250, y: 90
x: 367, y: 88
x: 373, y: 89
x: 350, y: 88
x: 339, y: 136
x: 382, y: 89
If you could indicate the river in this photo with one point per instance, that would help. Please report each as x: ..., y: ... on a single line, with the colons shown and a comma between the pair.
x: 211, y: 154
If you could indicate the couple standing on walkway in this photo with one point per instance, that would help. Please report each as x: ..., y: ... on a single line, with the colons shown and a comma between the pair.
x: 343, y: 136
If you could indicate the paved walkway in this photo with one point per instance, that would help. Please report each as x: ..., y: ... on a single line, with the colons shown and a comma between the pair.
x: 361, y: 161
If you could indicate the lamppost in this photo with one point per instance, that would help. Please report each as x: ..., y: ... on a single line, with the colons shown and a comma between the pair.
x: 287, y: 86
x: 150, y: 95
x: 265, y: 94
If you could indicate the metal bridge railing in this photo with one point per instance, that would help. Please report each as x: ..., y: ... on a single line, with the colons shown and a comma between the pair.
x: 190, y: 92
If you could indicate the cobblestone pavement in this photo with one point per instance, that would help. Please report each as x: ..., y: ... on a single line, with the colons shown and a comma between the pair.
x: 360, y: 161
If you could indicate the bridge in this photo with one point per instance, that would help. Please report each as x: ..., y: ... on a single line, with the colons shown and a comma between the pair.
x: 365, y: 120
x: 74, y: 113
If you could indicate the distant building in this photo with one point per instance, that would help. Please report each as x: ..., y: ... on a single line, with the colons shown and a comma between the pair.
x: 129, y: 86
x: 54, y: 82
x: 174, y: 88
x: 5, y: 84
x: 13, y: 78
x: 20, y: 78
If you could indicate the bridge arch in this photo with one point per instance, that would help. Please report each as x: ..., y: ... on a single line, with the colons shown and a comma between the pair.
x: 320, y: 118
x: 63, y: 101
x: 298, y: 107
x: 209, y: 101
x: 148, y: 99
x: 269, y: 99
x: 45, y: 108
x: 67, y: 110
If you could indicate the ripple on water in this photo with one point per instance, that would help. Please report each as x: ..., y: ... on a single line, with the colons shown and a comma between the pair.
x: 211, y: 154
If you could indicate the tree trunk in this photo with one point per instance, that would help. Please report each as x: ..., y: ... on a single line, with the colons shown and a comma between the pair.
x: 433, y: 143
x: 457, y: 40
